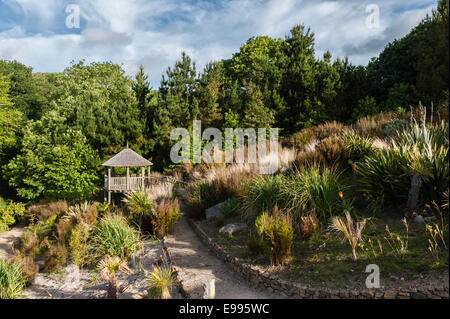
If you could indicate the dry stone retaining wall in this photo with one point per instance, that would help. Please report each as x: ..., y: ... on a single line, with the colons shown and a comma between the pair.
x: 294, y: 290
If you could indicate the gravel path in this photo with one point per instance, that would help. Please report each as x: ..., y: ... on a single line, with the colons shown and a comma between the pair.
x: 8, y: 238
x: 196, y: 264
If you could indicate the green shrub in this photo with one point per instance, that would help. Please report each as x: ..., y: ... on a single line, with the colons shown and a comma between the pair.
x: 12, y: 281
x: 230, y: 207
x: 384, y: 176
x: 78, y: 244
x: 314, y: 188
x: 114, y: 237
x: 275, y: 228
x: 263, y: 193
x: 9, y: 213
x: 395, y: 126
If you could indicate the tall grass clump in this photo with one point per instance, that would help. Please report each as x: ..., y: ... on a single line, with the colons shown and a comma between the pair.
x: 12, y: 281
x: 275, y: 229
x: 165, y: 216
x: 356, y: 145
x: 114, y: 237
x: 385, y: 175
x: 314, y: 188
x: 263, y: 193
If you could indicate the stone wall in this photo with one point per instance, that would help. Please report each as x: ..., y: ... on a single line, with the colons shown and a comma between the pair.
x: 295, y: 290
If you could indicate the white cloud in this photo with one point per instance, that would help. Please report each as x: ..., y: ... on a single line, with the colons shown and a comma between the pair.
x: 155, y: 32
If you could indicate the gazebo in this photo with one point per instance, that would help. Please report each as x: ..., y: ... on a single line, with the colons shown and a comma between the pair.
x: 121, y: 184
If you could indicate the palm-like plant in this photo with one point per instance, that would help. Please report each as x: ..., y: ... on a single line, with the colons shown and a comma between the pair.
x: 139, y: 203
x: 159, y: 282
x: 351, y: 230
x: 108, y: 267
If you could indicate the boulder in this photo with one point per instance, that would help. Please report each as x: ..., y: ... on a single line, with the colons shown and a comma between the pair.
x: 419, y: 219
x: 214, y: 212
x: 232, y: 228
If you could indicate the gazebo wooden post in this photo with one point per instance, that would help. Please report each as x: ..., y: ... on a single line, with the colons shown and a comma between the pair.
x: 143, y: 177
x: 148, y: 173
x: 109, y: 185
x: 128, y: 178
x: 105, y: 185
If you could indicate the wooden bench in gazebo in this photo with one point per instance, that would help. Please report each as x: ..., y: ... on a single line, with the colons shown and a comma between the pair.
x: 120, y: 184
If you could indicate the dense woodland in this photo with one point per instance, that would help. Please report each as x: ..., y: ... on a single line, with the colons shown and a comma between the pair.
x: 56, y: 128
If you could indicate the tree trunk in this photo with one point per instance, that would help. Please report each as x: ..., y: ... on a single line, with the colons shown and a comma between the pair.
x: 414, y: 192
x: 113, y: 289
x: 354, y: 257
x: 166, y: 294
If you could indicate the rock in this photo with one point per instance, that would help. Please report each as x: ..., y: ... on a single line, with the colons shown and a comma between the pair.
x: 232, y: 228
x: 390, y: 294
x: 419, y: 219
x: 214, y: 212
x: 72, y: 277
x: 429, y: 219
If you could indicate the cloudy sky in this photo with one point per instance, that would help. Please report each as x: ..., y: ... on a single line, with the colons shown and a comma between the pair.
x: 155, y: 32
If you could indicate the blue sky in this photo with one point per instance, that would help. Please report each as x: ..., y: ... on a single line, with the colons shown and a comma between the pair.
x: 155, y: 32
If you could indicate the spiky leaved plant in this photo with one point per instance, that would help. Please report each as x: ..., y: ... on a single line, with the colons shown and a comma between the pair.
x: 159, y: 282
x: 108, y: 267
x: 351, y: 230
x: 139, y: 203
x: 12, y: 281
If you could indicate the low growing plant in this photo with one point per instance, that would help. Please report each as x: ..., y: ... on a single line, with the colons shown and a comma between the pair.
x: 12, y: 281
x: 275, y: 228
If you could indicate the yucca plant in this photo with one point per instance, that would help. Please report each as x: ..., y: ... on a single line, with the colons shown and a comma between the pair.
x: 114, y: 237
x: 314, y: 188
x: 139, y: 203
x: 352, y: 231
x: 109, y: 267
x: 12, y: 281
x: 159, y: 282
x: 384, y: 176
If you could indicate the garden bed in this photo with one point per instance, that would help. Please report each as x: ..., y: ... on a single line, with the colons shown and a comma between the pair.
x: 63, y: 283
x: 322, y: 267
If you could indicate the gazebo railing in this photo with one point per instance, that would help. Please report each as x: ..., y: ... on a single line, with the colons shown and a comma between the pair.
x: 121, y: 183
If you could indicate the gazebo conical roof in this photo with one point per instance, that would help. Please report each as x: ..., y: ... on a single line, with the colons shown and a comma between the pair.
x: 127, y: 158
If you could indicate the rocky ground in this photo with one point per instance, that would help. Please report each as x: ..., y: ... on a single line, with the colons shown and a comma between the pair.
x: 69, y: 283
